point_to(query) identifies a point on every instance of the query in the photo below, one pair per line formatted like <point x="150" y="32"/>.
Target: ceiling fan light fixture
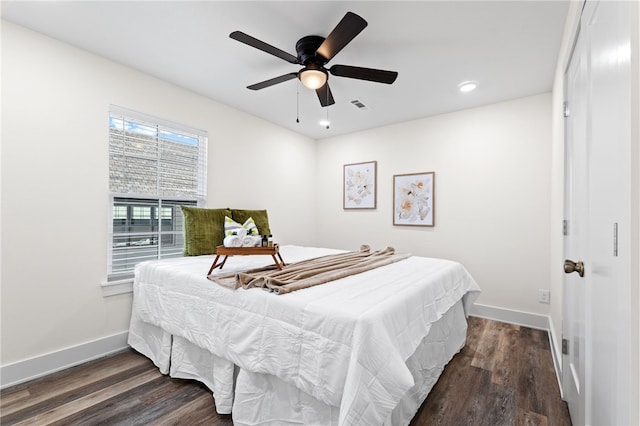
<point x="313" y="53"/>
<point x="313" y="78"/>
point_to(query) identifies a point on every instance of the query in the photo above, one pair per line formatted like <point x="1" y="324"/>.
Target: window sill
<point x="112" y="288"/>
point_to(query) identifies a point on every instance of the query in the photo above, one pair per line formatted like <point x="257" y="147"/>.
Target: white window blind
<point x="155" y="166"/>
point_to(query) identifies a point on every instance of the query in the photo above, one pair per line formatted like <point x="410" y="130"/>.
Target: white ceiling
<point x="510" y="47"/>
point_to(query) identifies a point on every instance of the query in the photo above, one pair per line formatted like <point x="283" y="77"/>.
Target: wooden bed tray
<point x="272" y="251"/>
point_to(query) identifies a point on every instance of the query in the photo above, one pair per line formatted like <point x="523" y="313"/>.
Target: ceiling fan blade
<point x="325" y="96"/>
<point x="261" y="45"/>
<point x="370" y="74"/>
<point x="273" y="81"/>
<point x="346" y="30"/>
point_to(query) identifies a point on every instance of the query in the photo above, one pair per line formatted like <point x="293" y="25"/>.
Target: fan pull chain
<point x="298" y="102"/>
<point x="327" y="91"/>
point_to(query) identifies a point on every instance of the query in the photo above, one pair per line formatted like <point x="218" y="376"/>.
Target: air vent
<point x="359" y="104"/>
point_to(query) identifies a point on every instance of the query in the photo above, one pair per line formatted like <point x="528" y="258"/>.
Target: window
<point x="154" y="168"/>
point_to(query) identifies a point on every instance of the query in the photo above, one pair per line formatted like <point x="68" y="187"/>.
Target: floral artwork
<point x="360" y="185"/>
<point x="413" y="199"/>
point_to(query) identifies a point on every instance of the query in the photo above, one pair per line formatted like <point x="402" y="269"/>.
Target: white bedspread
<point x="344" y="343"/>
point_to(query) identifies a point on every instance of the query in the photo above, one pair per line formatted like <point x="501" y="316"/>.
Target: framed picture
<point x="413" y="199"/>
<point x="359" y="190"/>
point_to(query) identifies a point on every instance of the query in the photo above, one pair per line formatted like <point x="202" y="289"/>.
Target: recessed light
<point x="467" y="86"/>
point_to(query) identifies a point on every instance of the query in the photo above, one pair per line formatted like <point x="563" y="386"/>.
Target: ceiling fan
<point x="314" y="52"/>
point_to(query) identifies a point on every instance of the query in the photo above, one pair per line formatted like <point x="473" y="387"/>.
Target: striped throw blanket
<point x="310" y="272"/>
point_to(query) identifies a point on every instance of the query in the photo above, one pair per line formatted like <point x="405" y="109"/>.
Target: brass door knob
<point x="571" y="266"/>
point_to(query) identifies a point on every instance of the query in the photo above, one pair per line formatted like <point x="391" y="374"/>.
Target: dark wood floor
<point x="503" y="376"/>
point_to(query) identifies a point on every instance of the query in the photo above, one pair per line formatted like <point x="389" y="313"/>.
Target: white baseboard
<point x="556" y="353"/>
<point x="526" y="319"/>
<point x="540" y="322"/>
<point x="22" y="371"/>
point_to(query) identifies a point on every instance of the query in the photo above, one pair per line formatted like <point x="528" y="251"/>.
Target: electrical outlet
<point x="543" y="295"/>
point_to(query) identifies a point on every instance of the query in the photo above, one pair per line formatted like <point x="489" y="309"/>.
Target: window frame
<point x="162" y="127"/>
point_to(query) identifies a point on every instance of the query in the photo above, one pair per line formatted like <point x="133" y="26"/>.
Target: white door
<point x="575" y="228"/>
<point x="597" y="322"/>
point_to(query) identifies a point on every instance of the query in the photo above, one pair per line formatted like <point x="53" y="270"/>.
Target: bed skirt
<point x="263" y="399"/>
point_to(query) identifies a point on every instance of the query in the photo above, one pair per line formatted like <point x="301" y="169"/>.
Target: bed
<point x="364" y="349"/>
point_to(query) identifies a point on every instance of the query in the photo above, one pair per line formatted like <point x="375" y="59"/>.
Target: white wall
<point x="55" y="103"/>
<point x="492" y="181"/>
<point x="635" y="215"/>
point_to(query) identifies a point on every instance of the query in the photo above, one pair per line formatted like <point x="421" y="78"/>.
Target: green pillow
<point x="203" y="229"/>
<point x="259" y="217"/>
